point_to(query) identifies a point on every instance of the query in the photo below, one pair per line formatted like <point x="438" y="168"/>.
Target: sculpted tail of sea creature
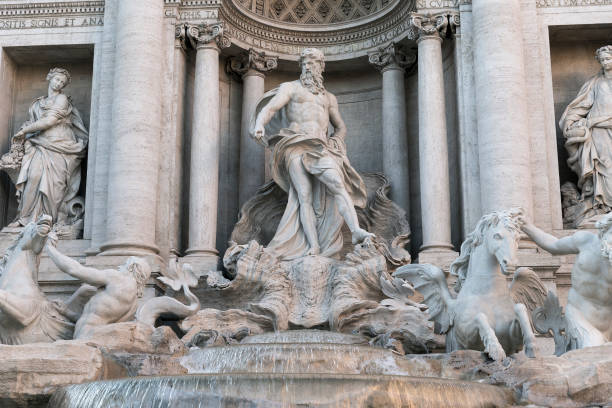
<point x="177" y="277"/>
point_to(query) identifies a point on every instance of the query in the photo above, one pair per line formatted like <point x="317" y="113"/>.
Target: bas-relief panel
<point x="572" y="63"/>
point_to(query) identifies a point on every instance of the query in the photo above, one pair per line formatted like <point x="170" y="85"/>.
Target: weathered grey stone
<point x="30" y="373"/>
<point x="578" y="378"/>
<point x="134" y="338"/>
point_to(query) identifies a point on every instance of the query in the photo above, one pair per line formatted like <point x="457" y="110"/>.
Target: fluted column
<point x="135" y="131"/>
<point x="205" y="140"/>
<point x="252" y="67"/>
<point x="433" y="146"/>
<point x="392" y="62"/>
<point x="503" y="121"/>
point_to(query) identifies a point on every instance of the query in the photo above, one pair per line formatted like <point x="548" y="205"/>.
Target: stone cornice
<point x="252" y="61"/>
<point x="392" y="56"/>
<point x="51" y="9"/>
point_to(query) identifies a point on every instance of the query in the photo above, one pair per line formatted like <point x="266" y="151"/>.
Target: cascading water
<point x="290" y="369"/>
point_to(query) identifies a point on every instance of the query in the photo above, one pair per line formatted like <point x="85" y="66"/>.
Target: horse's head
<point x="499" y="233"/>
<point x="34" y="235"/>
<point x="501" y="239"/>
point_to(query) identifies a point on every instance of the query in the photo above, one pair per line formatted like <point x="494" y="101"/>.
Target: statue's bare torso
<point x="591" y="291"/>
<point x="589" y="302"/>
<point x="310" y="111"/>
<point x="307" y="113"/>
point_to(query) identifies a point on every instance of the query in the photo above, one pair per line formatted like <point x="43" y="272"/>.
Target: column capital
<point x="207" y="35"/>
<point x="393" y="56"/>
<point x="252" y="63"/>
<point x="429" y="26"/>
<point x="454" y="23"/>
<point x="180" y="37"/>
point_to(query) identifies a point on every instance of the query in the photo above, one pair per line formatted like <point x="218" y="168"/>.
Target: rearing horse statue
<point x="26" y="315"/>
<point x="487" y="314"/>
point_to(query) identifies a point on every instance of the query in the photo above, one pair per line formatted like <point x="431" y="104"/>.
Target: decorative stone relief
<point x="487" y="314"/>
<point x="252" y="61"/>
<point x="205" y="34"/>
<point x="314" y="11"/>
<point x="354" y="38"/>
<point x="44" y="160"/>
<point x="587" y="127"/>
<point x="429" y="25"/>
<point x="392" y="56"/>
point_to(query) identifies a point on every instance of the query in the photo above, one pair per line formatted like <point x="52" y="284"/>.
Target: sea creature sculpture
<point x="177" y="277"/>
<point x="26" y="315"/>
<point x="487" y="314"/>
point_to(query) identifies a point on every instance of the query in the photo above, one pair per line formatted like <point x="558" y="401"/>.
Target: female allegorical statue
<point x="54" y="141"/>
<point x="587" y="126"/>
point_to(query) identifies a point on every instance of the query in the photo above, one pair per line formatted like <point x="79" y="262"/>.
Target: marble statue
<point x="311" y="167"/>
<point x="26" y="316"/>
<point x="116" y="299"/>
<point x="177" y="277"/>
<point x="487" y="314"/>
<point x="588" y="313"/>
<point x="45" y="156"/>
<point x="587" y="127"/>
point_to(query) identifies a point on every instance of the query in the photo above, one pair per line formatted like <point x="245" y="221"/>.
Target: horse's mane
<point x="511" y="219"/>
<point x="9" y="251"/>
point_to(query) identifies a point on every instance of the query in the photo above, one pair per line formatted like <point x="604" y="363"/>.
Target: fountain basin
<point x="281" y="390"/>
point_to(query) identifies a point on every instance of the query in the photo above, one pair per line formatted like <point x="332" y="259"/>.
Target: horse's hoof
<point x="529" y="352"/>
<point x="497" y="353"/>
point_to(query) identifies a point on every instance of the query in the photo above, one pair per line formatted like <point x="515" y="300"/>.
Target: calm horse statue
<point x="487" y="314"/>
<point x="26" y="316"/>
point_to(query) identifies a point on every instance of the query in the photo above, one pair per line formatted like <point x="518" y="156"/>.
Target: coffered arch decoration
<point x="367" y="25"/>
<point x="314" y="11"/>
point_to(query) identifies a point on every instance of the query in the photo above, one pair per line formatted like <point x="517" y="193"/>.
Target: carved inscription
<point x="572" y="3"/>
<point x="191" y="15"/>
<point x="51" y="22"/>
<point x="438" y="4"/>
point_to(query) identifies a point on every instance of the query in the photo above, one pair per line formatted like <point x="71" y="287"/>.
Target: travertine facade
<point x="456" y="102"/>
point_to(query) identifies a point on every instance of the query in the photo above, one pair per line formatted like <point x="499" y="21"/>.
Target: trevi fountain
<point x="305" y="203"/>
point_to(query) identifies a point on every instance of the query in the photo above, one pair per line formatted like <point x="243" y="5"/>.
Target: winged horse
<point x="487" y="314"/>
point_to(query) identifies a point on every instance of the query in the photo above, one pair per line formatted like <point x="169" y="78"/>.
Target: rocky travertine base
<point x="578" y="378"/>
<point x="29" y="374"/>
